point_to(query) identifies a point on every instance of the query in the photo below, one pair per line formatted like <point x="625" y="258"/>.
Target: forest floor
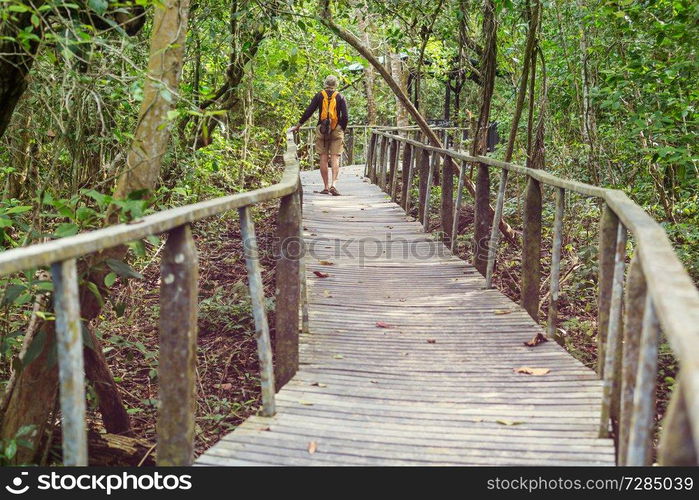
<point x="228" y="388"/>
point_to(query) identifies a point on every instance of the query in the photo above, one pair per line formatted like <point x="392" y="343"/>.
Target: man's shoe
<point x="334" y="192"/>
<point x="325" y="191"/>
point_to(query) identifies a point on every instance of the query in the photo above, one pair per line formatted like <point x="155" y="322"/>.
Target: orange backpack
<point x="328" y="113"/>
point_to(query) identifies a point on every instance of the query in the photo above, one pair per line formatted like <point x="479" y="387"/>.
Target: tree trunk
<point x="37" y="382"/>
<point x="483" y="216"/>
<point x="399" y="75"/>
<point x="369" y="77"/>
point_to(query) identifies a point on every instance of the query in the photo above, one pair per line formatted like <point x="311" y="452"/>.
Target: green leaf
<point x="18" y="210"/>
<point x="99" y="6"/>
<point x="12" y="292"/>
<point x="110" y="279"/>
<point x="11" y="449"/>
<point x="95" y="291"/>
<point x="35" y="348"/>
<point x="123" y="269"/>
<point x="66" y="229"/>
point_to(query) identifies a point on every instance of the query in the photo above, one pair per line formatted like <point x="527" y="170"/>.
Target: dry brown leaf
<point x="538" y="339"/>
<point x="532" y="371"/>
<point x="504" y="311"/>
<point x="381" y="324"/>
<point x="312" y="447"/>
<point x="319" y="384"/>
<point x="305" y="403"/>
<point x="326" y="293"/>
<point x="338" y="356"/>
<point x="431" y="341"/>
<point x="374" y="381"/>
<point x="326" y="263"/>
<point x="320" y="274"/>
<point x="225" y="387"/>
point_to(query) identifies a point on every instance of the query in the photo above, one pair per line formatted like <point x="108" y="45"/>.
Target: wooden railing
<point x="178" y="302"/>
<point x="657" y="295"/>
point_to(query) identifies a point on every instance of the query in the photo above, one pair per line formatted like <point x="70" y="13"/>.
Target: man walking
<point x="330" y="130"/>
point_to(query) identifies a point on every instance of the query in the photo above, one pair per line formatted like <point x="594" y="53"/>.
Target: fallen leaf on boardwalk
<point x="401" y="300"/>
<point x="320" y="274"/>
<point x="477" y="420"/>
<point x="406" y="354"/>
<point x="538" y="339"/>
<point x="338" y="356"/>
<point x="319" y="384"/>
<point x="326" y="263"/>
<point x="504" y="311"/>
<point x="225" y="387"/>
<point x="312" y="447"/>
<point x="374" y="381"/>
<point x="431" y="341"/>
<point x="266" y="429"/>
<point x="381" y="324"/>
<point x="508" y="422"/>
<point x="306" y="403"/>
<point x="532" y="371"/>
<point x="326" y="293"/>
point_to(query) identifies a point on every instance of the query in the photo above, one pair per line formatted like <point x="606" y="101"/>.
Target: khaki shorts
<point x="330" y="144"/>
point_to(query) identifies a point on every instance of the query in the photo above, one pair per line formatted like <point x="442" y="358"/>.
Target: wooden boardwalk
<point x="437" y="387"/>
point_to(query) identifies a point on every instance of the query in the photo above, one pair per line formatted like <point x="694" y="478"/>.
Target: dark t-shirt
<point x="317" y="103"/>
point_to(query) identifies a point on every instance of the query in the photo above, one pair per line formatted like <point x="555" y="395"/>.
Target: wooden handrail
<point x="672" y="299"/>
<point x="178" y="301"/>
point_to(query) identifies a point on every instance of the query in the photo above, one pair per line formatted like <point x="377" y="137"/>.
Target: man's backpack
<point x="328" y="113"/>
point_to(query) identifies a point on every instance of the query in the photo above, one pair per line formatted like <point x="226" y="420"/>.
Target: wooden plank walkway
<point x="438" y="386"/>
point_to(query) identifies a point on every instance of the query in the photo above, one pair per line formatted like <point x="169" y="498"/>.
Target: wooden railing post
<point x="607" y="246"/>
<point x="369" y="168"/>
<point x="394" y="178"/>
<point x="457" y="206"/>
<point x="446" y="206"/>
<point x="481" y="219"/>
<point x="406" y="171"/>
<point x="288" y="290"/>
<point x="495" y="229"/>
<point x="382" y="163"/>
<point x="350" y="146"/>
<point x="434" y="165"/>
<point x="613" y="347"/>
<point x="311" y="146"/>
<point x="677" y="441"/>
<point x="634" y="305"/>
<point x="178" y="341"/>
<point x="257" y="297"/>
<point x="531" y="249"/>
<point x="641" y="430"/>
<point x="392" y="167"/>
<point x="423" y="173"/>
<point x="556" y="262"/>
<point x="70" y="362"/>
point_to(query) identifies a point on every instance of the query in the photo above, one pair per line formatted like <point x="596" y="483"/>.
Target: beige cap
<point x="331" y="82"/>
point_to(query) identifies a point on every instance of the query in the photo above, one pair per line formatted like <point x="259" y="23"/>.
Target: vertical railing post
<point x="611" y="358"/>
<point x="430" y="175"/>
<point x="381" y="180"/>
<point x="495" y="229"/>
<point x="350" y="146"/>
<point x="641" y="431"/>
<point x="423" y="190"/>
<point x="369" y="170"/>
<point x="482" y="219"/>
<point x="678" y="442"/>
<point x="288" y="289"/>
<point x="406" y="171"/>
<point x="70" y="362"/>
<point x="392" y="164"/>
<point x="179" y="277"/>
<point x="607" y="246"/>
<point x="531" y="248"/>
<point x="394" y="168"/>
<point x="257" y="297"/>
<point x="311" y="145"/>
<point x="556" y="262"/>
<point x="446" y="206"/>
<point x="457" y="206"/>
<point x="634" y="305"/>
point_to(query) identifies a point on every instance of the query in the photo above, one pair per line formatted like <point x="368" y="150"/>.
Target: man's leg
<point x="324" y="169"/>
<point x="335" y="165"/>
